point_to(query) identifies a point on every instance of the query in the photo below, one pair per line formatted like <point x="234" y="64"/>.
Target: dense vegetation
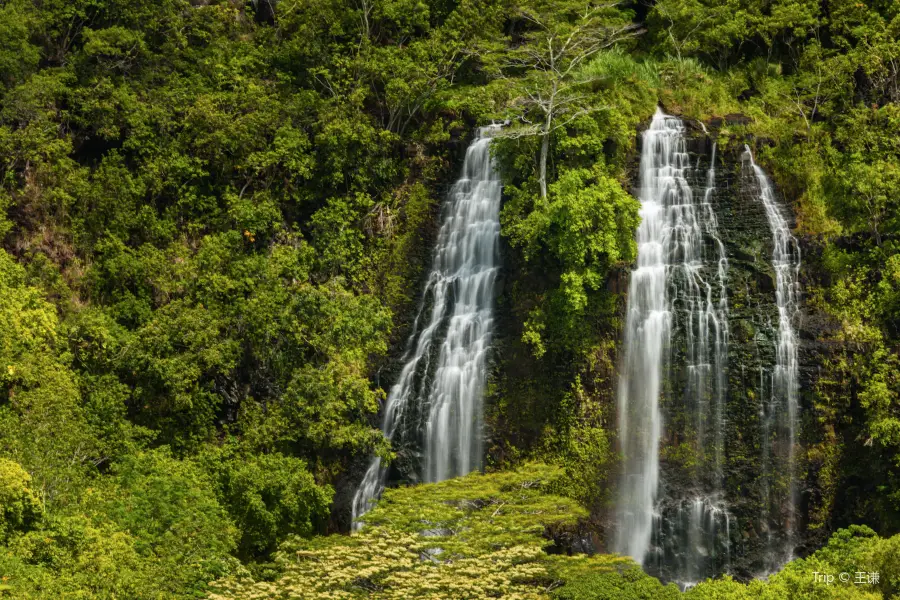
<point x="482" y="536"/>
<point x="216" y="214"/>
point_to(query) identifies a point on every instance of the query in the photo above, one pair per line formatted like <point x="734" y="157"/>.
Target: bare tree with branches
<point x="559" y="40"/>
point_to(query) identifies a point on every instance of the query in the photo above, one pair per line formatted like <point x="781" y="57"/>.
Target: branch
<point x="520" y="132"/>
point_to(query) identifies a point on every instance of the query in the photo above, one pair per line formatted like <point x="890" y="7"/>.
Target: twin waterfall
<point x="708" y="390"/>
<point x="438" y="394"/>
<point x="673" y="385"/>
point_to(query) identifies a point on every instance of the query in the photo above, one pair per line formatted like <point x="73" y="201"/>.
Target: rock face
<point x="755" y="520"/>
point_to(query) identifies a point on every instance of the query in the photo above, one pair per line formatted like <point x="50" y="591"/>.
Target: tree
<point x="171" y="510"/>
<point x="558" y="37"/>
<point x="20" y="508"/>
<point x="723" y="30"/>
<point x="269" y="497"/>
<point x="586" y="225"/>
<point x="42" y="423"/>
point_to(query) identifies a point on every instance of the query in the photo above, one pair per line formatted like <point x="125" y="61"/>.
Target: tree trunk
<point x="545" y="149"/>
<point x="545" y="142"/>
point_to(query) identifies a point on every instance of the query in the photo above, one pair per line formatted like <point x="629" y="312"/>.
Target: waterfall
<point x="448" y="392"/>
<point x="696" y="543"/>
<point x="780" y="406"/>
<point x="720" y="317"/>
<point x="677" y="307"/>
<point x="647" y="332"/>
<point x="466" y="262"/>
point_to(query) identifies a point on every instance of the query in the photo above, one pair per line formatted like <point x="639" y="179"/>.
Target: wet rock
<point x="436" y="532"/>
<point x="431" y="554"/>
<point x="737" y="119"/>
<point x="581" y="538"/>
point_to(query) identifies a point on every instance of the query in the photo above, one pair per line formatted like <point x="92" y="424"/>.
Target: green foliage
<point x="718" y="30"/>
<point x="473" y="537"/>
<point x="43" y="425"/>
<point x="853" y="550"/>
<point x="21" y="508"/>
<point x="151" y="529"/>
<point x="586" y="225"/>
<point x="587" y="460"/>
<point x="480" y="536"/>
<point x="18" y="57"/>
<point x="171" y="510"/>
<point x="74" y="558"/>
<point x="607" y="577"/>
<point x="269" y="497"/>
<point x="215" y="218"/>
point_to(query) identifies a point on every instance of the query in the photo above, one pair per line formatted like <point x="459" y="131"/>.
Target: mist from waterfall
<point x="779" y="410"/>
<point x="441" y="384"/>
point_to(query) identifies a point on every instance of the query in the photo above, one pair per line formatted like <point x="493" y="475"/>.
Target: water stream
<point x="779" y="410"/>
<point x="675" y="359"/>
<point x="441" y="384"/>
<point x="647" y="332"/>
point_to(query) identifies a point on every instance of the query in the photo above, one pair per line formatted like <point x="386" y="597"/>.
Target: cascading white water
<point x="466" y="258"/>
<point x="702" y="299"/>
<point x="674" y="288"/>
<point x="461" y="290"/>
<point x="701" y="521"/>
<point x="647" y="330"/>
<point x="780" y="407"/>
<point x="719" y="317"/>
